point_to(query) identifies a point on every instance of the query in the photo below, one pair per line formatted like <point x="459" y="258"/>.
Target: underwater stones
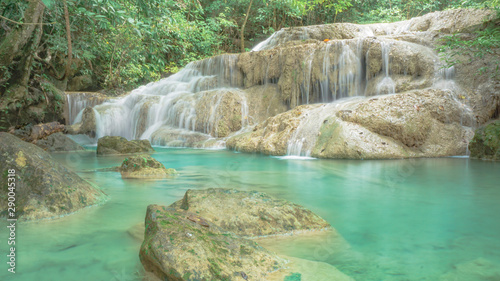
<point x="144" y="166"/>
<point x="120" y="145"/>
<point x="177" y="248"/>
<point x="250" y="214"/>
<point x="486" y="142"/>
<point x="44" y="188"/>
<point x="479" y="269"/>
<point x="58" y="142"/>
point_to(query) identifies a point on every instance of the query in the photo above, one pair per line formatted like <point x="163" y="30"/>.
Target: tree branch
<point x="30" y="23"/>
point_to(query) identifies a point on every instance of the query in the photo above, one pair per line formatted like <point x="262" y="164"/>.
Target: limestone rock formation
<point x="59" y="142"/>
<point x="422" y="123"/>
<point x="486" y="142"/>
<point x="182" y="245"/>
<point x="250" y="214"/>
<point x="44" y="188"/>
<point x="144" y="166"/>
<point x="120" y="145"/>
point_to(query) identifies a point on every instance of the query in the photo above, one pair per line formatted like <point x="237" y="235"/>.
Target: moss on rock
<point x="144" y="166"/>
<point x="120" y="145"/>
<point x="486" y="142"/>
<point x="44" y="188"/>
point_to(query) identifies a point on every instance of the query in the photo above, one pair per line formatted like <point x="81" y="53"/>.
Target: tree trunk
<point x="242" y="36"/>
<point x="68" y="37"/>
<point x="13" y="44"/>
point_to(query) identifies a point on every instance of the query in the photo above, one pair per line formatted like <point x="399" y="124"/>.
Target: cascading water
<point x="169" y="102"/>
<point x="195" y="103"/>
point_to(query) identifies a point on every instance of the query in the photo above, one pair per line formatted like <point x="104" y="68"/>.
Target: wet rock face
<point x="44" y="188"/>
<point x="486" y="142"/>
<point x="172" y="137"/>
<point x="270" y="137"/>
<point x="182" y="245"/>
<point x="120" y="145"/>
<point x="144" y="166"/>
<point x="219" y="113"/>
<point x="87" y="126"/>
<point x="250" y="214"/>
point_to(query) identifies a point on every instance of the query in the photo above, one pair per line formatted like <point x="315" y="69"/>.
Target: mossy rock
<point x="486" y="142"/>
<point x="250" y="214"/>
<point x="120" y="145"/>
<point x="44" y="188"/>
<point x="180" y="245"/>
<point x="144" y="166"/>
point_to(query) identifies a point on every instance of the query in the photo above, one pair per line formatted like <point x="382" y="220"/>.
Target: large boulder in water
<point x="486" y="142"/>
<point x="250" y="213"/>
<point x="120" y="145"/>
<point x="44" y="188"/>
<point x="181" y="245"/>
<point x="144" y="166"/>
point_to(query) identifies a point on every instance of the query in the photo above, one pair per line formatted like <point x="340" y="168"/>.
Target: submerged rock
<point x="44" y="188"/>
<point x="144" y="166"/>
<point x="250" y="214"/>
<point x="178" y="247"/>
<point x="120" y="145"/>
<point x="59" y="142"/>
<point x="479" y="269"/>
<point x="486" y="142"/>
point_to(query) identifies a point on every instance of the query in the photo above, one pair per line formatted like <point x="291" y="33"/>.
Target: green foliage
<point x="125" y="43"/>
<point x="485" y="41"/>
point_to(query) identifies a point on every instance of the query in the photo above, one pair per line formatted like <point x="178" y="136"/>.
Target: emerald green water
<point x="403" y="219"/>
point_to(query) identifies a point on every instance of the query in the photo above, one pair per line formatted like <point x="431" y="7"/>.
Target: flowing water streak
<point x="77" y="102"/>
<point x="387" y="85"/>
<point x="303" y="139"/>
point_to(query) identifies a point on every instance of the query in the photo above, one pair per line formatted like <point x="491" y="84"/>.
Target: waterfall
<point x="77" y="102"/>
<point x="386" y="85"/>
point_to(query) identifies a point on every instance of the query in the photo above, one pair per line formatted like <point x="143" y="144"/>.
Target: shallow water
<point x="402" y="219"/>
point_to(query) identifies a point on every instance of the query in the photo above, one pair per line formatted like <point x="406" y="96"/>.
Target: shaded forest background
<point x="114" y="46"/>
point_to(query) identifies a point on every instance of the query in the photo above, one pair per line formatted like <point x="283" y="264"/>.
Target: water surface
<point x="402" y="219"/>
